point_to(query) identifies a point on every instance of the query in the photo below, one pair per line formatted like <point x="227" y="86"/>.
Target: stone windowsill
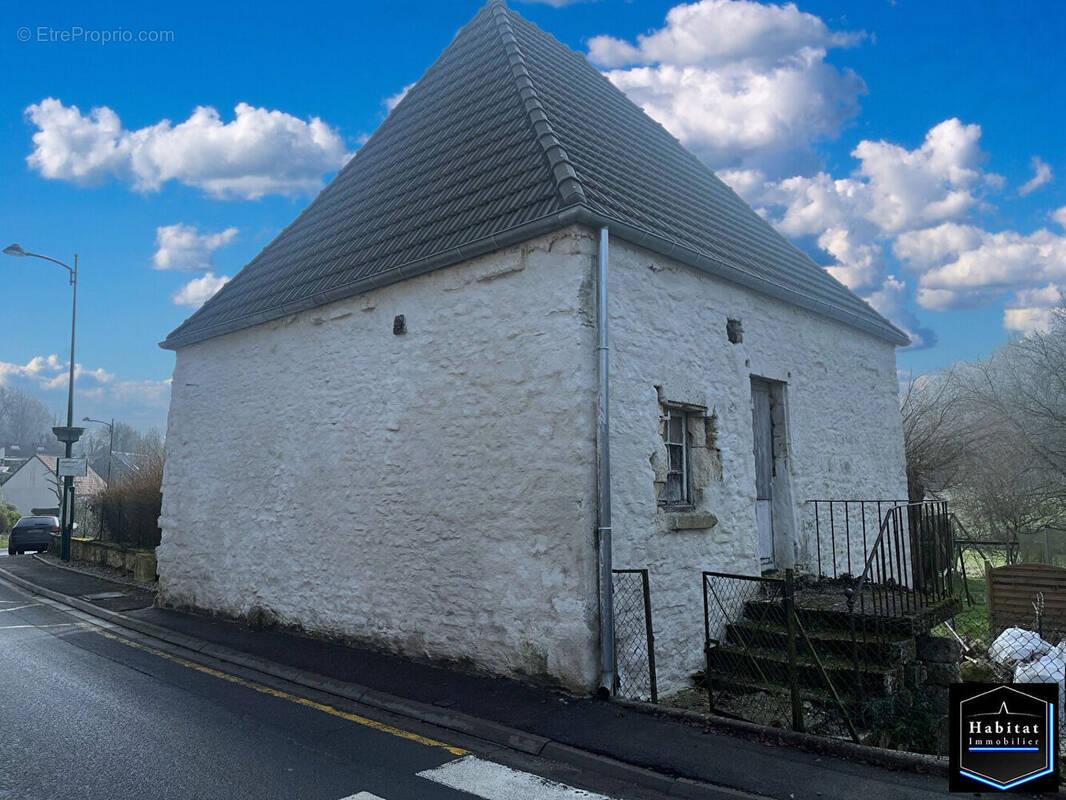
<point x="686" y="520"/>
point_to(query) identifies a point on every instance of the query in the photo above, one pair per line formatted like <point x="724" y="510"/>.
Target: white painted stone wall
<point x="431" y="493"/>
<point x="668" y="329"/>
<point x="434" y="493"/>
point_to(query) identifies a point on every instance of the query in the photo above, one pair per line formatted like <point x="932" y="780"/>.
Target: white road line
<point x="50" y="625"/>
<point x="16" y="608"/>
<point x="497" y="782"/>
<point x="363" y="796"/>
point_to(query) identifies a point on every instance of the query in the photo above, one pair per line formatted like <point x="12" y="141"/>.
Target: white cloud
<point x="1059" y="215"/>
<point x="1041" y="174"/>
<point x="39" y="364"/>
<point x="735" y="79"/>
<point x="1033" y="309"/>
<point x="98" y="392"/>
<point x="858" y="264"/>
<point x="49" y="372"/>
<point x="934" y="182"/>
<point x="199" y="290"/>
<point x="150" y="393"/>
<point x="964" y="266"/>
<point x="394" y="100"/>
<point x="715" y="32"/>
<point x="259" y="152"/>
<point x="182" y="247"/>
<point x="556" y="3"/>
<point x="748" y="183"/>
<point x="892" y="191"/>
<point x="889" y="300"/>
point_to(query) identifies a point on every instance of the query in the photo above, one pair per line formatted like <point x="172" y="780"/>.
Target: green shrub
<point x="9" y="515"/>
<point x="905" y="720"/>
<point x="129" y="509"/>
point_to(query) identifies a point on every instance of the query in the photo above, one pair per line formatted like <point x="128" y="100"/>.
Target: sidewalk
<point x="549" y="723"/>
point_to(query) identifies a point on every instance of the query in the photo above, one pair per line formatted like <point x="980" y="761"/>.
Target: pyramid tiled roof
<point x="510" y="134"/>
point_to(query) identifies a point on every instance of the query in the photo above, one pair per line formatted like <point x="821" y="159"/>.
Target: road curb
<point x="144" y="587"/>
<point x="487" y="730"/>
<point x="822" y="745"/>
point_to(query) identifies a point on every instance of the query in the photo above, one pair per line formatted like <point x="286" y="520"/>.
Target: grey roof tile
<point x="508" y="134"/>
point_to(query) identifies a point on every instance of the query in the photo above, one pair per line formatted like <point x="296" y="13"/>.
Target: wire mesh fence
<point x="766" y="661"/>
<point x="1047" y="546"/>
<point x="633" y="635"/>
<point x="1012" y="628"/>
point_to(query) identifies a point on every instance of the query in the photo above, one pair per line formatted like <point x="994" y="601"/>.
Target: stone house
<point x="521" y="337"/>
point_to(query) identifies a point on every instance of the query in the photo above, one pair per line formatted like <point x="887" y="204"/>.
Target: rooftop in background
<point x="507" y="135"/>
<point x="83" y="484"/>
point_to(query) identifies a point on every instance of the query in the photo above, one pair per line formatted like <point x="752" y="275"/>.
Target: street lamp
<point x="68" y="434"/>
<point x="111" y="445"/>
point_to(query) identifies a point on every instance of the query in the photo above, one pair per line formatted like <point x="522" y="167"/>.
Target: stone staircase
<point x="753" y="654"/>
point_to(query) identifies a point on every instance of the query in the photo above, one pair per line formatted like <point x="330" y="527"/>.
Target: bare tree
<point x="991" y="436"/>
<point x="940" y="433"/>
<point x="24" y="420"/>
<point x="1024" y="384"/>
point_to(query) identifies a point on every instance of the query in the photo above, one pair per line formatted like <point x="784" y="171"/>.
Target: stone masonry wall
<point x="430" y="493"/>
<point x="842" y="430"/>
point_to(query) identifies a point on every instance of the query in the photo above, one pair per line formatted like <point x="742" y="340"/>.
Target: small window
<point x="734" y="331"/>
<point x="675" y="434"/>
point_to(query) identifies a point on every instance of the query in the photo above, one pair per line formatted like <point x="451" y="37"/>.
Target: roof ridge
<point x="571" y="192"/>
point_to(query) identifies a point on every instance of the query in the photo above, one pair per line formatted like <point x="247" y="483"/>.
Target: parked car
<point x="31" y="533"/>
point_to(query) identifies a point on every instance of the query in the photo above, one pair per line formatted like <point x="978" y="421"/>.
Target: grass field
<point x="972" y="622"/>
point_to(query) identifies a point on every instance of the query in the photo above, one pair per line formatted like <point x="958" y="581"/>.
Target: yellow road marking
<point x="303" y="701"/>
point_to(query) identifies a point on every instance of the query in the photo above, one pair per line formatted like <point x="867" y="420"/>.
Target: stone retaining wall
<point x="139" y="564"/>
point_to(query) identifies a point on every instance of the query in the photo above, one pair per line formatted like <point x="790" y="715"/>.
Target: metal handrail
<point x="912" y="559"/>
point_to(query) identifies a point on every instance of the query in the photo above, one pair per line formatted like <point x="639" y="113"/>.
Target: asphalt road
<point x="86" y="713"/>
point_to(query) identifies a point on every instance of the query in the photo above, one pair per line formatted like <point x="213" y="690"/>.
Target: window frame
<point x="670" y="411"/>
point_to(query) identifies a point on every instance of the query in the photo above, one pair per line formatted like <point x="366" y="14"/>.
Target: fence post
<point x="793" y="669"/>
<point x="990" y="598"/>
<point x="707" y="643"/>
<point x="651" y="636"/>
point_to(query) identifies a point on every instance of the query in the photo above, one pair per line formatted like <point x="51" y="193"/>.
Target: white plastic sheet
<point x="1017" y="644"/>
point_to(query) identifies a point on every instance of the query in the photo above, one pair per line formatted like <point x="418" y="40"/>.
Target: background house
<point x="122" y="466"/>
<point x="32" y="487"/>
<point x="426" y="334"/>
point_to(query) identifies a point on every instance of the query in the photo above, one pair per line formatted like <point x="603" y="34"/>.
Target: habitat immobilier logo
<point x="1004" y="737"/>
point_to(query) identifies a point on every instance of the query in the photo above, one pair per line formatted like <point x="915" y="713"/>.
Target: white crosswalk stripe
<point x="496" y="782"/>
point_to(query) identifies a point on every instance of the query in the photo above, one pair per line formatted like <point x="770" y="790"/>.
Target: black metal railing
<point x="634" y="636"/>
<point x="843" y="531"/>
<point x="910" y="564"/>
<point x="760" y="663"/>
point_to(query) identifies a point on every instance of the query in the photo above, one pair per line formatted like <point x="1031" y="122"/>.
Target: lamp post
<point x="67" y="434"/>
<point x="111" y="445"/>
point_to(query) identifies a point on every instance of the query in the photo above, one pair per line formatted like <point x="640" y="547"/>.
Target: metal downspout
<point x="603" y="481"/>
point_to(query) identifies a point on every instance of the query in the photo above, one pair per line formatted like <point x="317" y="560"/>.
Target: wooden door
<point x="763" y="428"/>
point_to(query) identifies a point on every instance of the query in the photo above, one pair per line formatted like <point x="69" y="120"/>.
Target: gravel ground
<point x="99" y="570"/>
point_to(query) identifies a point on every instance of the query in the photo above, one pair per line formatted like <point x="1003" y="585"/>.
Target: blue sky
<point x="914" y="148"/>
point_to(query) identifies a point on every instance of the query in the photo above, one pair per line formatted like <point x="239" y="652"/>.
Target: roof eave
<point x="575" y="214"/>
<point x="878" y="326"/>
<point x="447" y="258"/>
